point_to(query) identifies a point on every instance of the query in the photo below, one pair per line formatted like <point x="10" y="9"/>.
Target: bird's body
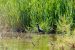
<point x="40" y="30"/>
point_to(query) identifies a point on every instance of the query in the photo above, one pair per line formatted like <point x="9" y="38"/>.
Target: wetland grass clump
<point x="25" y="14"/>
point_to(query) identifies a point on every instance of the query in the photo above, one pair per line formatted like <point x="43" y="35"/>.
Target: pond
<point x="31" y="41"/>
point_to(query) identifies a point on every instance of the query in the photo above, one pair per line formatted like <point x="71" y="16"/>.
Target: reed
<point x="27" y="13"/>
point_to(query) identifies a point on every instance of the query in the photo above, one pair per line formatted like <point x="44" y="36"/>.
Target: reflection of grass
<point x="36" y="43"/>
<point x="39" y="42"/>
<point x="14" y="44"/>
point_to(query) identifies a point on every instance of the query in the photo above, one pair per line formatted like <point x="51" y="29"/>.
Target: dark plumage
<point x="40" y="30"/>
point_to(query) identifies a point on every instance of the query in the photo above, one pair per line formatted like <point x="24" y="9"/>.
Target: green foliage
<point x="64" y="25"/>
<point x="27" y="13"/>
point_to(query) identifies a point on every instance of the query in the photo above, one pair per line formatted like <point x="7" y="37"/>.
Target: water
<point x="30" y="41"/>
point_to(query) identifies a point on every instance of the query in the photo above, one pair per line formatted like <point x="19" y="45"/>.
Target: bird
<point x="40" y="30"/>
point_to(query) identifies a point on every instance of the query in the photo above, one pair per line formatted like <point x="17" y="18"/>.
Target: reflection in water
<point x="53" y="40"/>
<point x="53" y="37"/>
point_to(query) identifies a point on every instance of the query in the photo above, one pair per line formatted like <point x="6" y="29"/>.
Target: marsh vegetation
<point x="19" y="19"/>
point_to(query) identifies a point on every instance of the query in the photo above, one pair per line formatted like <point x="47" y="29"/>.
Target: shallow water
<point x="30" y="41"/>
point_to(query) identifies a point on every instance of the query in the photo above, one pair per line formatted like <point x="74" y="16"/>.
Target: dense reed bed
<point x="25" y="14"/>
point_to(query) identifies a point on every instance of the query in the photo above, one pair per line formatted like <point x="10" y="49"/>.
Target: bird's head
<point x="37" y="25"/>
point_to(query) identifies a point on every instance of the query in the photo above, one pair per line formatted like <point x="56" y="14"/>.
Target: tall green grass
<point x="27" y="13"/>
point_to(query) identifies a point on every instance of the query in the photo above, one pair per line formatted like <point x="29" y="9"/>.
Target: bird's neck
<point x="38" y="27"/>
